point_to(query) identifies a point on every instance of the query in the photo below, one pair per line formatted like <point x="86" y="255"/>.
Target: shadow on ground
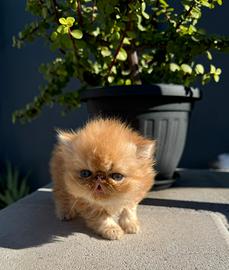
<point x="213" y="179"/>
<point x="36" y="223"/>
<point x="222" y="208"/>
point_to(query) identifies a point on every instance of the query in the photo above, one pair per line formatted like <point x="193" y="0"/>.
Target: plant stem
<point x="55" y="10"/>
<point x="79" y="11"/>
<point x="116" y="52"/>
<point x="133" y="57"/>
<point x="133" y="63"/>
<point x="55" y="5"/>
<point x="73" y="44"/>
<point x="185" y="15"/>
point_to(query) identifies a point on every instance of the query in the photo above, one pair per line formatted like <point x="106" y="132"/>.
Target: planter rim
<point x="167" y="90"/>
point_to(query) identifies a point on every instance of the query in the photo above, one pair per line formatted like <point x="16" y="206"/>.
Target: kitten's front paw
<point x="112" y="232"/>
<point x="130" y="227"/>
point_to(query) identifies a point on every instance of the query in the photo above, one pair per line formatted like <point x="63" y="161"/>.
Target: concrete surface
<point x="184" y="227"/>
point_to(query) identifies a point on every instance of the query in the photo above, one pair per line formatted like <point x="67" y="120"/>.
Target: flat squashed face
<point x="107" y="160"/>
<point x="104" y="170"/>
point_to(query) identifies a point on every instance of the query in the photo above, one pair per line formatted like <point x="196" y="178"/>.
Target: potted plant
<point x="134" y="59"/>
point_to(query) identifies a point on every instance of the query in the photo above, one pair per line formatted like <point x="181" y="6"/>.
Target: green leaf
<point x="44" y="12"/>
<point x="96" y="32"/>
<point x="218" y="71"/>
<point x="126" y="41"/>
<point x="63" y="21"/>
<point x="196" y="12"/>
<point x="70" y="21"/>
<point x="105" y="51"/>
<point x="206" y="78"/>
<point x="125" y="72"/>
<point x="199" y="69"/>
<point x="191" y="29"/>
<point x="77" y="34"/>
<point x="144" y="14"/>
<point x="212" y="69"/>
<point x="163" y="3"/>
<point x="110" y="79"/>
<point x="62" y="29"/>
<point x="120" y="82"/>
<point x="122" y="55"/>
<point x="139" y="25"/>
<point x="209" y="56"/>
<point x="13" y="187"/>
<point x="183" y="29"/>
<point x="74" y="5"/>
<point x="186" y="68"/>
<point x="216" y="77"/>
<point x="114" y="70"/>
<point x="54" y="36"/>
<point x="128" y="82"/>
<point x="174" y="67"/>
<point x="220" y="2"/>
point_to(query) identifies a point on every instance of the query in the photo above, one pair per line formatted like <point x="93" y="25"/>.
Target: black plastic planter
<point x="159" y="111"/>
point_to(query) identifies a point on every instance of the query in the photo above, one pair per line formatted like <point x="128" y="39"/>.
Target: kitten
<point x="99" y="171"/>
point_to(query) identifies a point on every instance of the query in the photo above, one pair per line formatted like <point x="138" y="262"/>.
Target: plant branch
<point x="133" y="58"/>
<point x="73" y="44"/>
<point x="116" y="52"/>
<point x="55" y="10"/>
<point x="128" y="25"/>
<point x="30" y="33"/>
<point x="185" y="15"/>
<point x="134" y="64"/>
<point x="79" y="12"/>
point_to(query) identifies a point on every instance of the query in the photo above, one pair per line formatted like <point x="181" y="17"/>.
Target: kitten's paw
<point x="130" y="227"/>
<point x="112" y="232"/>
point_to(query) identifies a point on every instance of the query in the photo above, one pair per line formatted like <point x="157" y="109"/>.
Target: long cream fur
<point x="107" y="146"/>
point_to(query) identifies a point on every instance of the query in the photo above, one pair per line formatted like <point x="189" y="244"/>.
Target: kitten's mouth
<point x="98" y="188"/>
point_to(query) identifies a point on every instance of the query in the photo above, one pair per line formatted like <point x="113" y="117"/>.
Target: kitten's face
<point x="102" y="170"/>
<point x="105" y="162"/>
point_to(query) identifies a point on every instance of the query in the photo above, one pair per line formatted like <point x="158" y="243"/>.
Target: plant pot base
<point x="160" y="112"/>
<point x="161" y="184"/>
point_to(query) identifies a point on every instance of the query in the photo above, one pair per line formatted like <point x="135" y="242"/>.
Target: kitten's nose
<point x="100" y="176"/>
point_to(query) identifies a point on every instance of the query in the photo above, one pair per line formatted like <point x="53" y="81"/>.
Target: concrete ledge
<point x="184" y="227"/>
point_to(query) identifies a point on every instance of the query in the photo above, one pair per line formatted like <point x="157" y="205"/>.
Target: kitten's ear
<point x="65" y="137"/>
<point x="146" y="149"/>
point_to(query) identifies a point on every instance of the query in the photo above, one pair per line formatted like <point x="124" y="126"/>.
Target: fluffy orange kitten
<point x="99" y="171"/>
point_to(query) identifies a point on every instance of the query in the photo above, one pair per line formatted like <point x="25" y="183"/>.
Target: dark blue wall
<point x="29" y="146"/>
<point x="209" y="129"/>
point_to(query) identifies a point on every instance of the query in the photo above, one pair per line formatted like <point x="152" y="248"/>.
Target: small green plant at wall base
<point x="12" y="186"/>
<point x="102" y="43"/>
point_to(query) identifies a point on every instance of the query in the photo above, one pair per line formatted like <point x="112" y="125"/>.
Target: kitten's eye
<point x="85" y="173"/>
<point x="117" y="176"/>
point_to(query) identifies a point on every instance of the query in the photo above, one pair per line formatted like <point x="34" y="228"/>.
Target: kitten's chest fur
<point x="112" y="206"/>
